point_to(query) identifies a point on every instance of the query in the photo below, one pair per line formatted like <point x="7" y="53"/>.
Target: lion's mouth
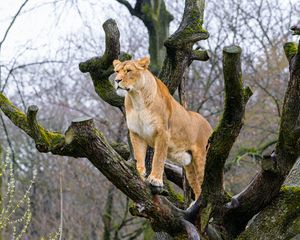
<point x="126" y="89"/>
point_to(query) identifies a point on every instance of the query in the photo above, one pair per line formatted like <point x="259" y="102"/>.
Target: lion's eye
<point x="117" y="71"/>
<point x="129" y="70"/>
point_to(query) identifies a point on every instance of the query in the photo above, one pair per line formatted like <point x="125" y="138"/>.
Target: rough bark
<point x="266" y="185"/>
<point x="222" y="139"/>
<point x="82" y="139"/>
<point x="236" y="96"/>
<point x="280" y="219"/>
<point x="179" y="45"/>
<point x="100" y="68"/>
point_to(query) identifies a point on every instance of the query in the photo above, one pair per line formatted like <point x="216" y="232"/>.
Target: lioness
<point x="154" y="118"/>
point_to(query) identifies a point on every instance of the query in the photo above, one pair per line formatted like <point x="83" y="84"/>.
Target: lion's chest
<point x="142" y="123"/>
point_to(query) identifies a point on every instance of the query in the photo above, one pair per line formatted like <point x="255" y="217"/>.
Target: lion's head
<point x="128" y="74"/>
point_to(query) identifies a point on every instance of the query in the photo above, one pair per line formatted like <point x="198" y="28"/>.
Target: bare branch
<point x="11" y="70"/>
<point x="128" y="6"/>
<point x="100" y="68"/>
<point x="12" y="23"/>
<point x="180" y="44"/>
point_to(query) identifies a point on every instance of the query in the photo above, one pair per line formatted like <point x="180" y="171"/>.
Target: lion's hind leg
<point x="191" y="176"/>
<point x="199" y="157"/>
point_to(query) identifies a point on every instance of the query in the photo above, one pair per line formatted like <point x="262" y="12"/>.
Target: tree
<point x="215" y="213"/>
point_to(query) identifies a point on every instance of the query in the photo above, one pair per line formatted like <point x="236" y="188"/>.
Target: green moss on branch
<point x="45" y="139"/>
<point x="213" y="196"/>
<point x="230" y="124"/>
<point x="280" y="220"/>
<point x="100" y="68"/>
<point x="290" y="49"/>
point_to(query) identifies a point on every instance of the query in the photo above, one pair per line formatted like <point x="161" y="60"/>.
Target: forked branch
<point x="100" y="68"/>
<point x="266" y="185"/>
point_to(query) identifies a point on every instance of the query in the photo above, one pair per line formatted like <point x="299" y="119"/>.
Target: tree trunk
<point x="281" y="219"/>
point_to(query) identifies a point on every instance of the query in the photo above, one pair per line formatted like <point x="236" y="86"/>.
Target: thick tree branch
<point x="266" y="185"/>
<point x="200" y="55"/>
<point x="174" y="174"/>
<point x="227" y="131"/>
<point x="180" y="44"/>
<point x="82" y="139"/>
<point x="40" y="140"/>
<point x="190" y="29"/>
<point x="41" y="136"/>
<point x="222" y="139"/>
<point x="279" y="219"/>
<point x="100" y="68"/>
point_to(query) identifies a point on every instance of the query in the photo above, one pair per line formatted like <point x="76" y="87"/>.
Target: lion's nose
<point x="118" y="80"/>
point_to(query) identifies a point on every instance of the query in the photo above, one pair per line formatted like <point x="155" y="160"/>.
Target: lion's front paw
<point x="155" y="182"/>
<point x="157" y="186"/>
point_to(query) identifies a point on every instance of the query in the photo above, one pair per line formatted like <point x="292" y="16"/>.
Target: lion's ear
<point x="116" y="62"/>
<point x="144" y="62"/>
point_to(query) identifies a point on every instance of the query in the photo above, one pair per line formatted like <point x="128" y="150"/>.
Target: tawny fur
<point x="154" y="118"/>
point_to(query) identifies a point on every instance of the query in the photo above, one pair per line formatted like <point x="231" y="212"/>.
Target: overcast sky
<point x="43" y="25"/>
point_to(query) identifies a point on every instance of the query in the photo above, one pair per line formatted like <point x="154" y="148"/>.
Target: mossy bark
<point x="179" y="46"/>
<point x="100" y="68"/>
<point x="267" y="183"/>
<point x="281" y="219"/>
<point x="213" y="197"/>
<point x="82" y="139"/>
